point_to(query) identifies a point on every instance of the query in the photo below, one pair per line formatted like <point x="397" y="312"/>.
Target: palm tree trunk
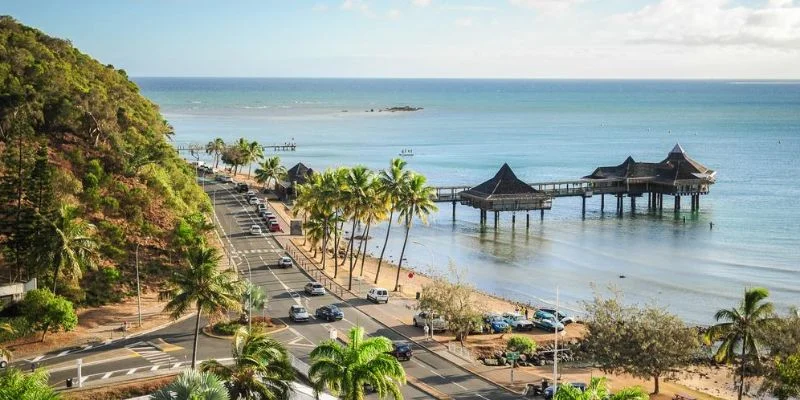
<point x="655" y="384"/>
<point x="402" y="252"/>
<point x="364" y="252"/>
<point x="57" y="262"/>
<point x="352" y="238"/>
<point x="741" y="367"/>
<point x="196" y="334"/>
<point x="325" y="235"/>
<point x="385" y="241"/>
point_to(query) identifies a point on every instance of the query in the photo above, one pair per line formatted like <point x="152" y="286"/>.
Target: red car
<point x="275" y="227"/>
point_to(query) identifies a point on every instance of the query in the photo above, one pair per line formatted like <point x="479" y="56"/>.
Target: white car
<point x="298" y="313"/>
<point x="435" y="322"/>
<point x="378" y="295"/>
<point x="518" y="322"/>
<point x="315" y="289"/>
<point x="255" y="230"/>
<point x="285" y="262"/>
<point x="253" y="201"/>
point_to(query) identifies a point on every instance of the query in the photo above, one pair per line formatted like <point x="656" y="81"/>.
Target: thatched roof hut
<point x="505" y="192"/>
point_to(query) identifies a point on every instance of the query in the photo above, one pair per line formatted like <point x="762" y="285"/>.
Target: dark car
<point x="329" y="313"/>
<point x="401" y="350"/>
<point x="548" y="392"/>
<point x="563" y="318"/>
<point x="242" y="188"/>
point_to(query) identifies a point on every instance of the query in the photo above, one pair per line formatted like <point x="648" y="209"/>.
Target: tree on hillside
<point x="47" y="312"/>
<point x="344" y="370"/>
<point x="193" y="385"/>
<point x="599" y="389"/>
<point x="215" y="147"/>
<point x="270" y="171"/>
<point x="233" y="156"/>
<point x="74" y="246"/>
<point x="5" y="328"/>
<point x="742" y="328"/>
<point x="16" y="385"/>
<point x="203" y="286"/>
<point x="783" y="379"/>
<point x="392" y="183"/>
<point x="645" y="342"/>
<point x="416" y="200"/>
<point x="261" y="368"/>
<point x="453" y="298"/>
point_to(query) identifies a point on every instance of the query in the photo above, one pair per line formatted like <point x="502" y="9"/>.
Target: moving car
<point x="285" y="262"/>
<point x="274" y="226"/>
<point x="546" y="321"/>
<point x="241" y="187"/>
<point x="495" y="323"/>
<point x="255" y="230"/>
<point x="548" y="391"/>
<point x="377" y="295"/>
<point x="298" y="313"/>
<point x="563" y="318"/>
<point x="401" y="350"/>
<point x="227" y="179"/>
<point x="314" y="289"/>
<point x="329" y="313"/>
<point x="435" y="322"/>
<point x="518" y="321"/>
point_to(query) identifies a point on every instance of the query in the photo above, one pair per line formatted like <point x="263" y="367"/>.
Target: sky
<point x="604" y="39"/>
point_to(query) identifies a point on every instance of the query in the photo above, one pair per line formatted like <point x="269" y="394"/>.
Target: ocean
<point x="546" y="130"/>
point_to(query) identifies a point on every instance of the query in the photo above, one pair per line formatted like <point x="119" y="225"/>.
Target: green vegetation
<point x="521" y="344"/>
<point x="597" y="389"/>
<point x="344" y="370"/>
<point x="645" y="342"/>
<point x="329" y="200"/>
<point x="743" y="328"/>
<point x="86" y="172"/>
<point x="261" y="368"/>
<point x="14" y="384"/>
<point x="195" y="386"/>
<point x="784" y="381"/>
<point x="47" y="312"/>
<point x="204" y="287"/>
<point x="455" y="300"/>
<point x="270" y="171"/>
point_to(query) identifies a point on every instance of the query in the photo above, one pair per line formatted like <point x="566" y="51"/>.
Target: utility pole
<point x="138" y="288"/>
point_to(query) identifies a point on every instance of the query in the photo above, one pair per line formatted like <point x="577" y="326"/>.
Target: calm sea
<point x="549" y="130"/>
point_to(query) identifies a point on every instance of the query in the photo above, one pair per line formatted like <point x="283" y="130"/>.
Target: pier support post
<point x="527" y="220"/>
<point x="583" y="207"/>
<point x="698" y="203"/>
<point x="602" y="203"/>
<point x="649" y="200"/>
<point x="454" y="210"/>
<point x="677" y="203"/>
<point x="496" y="217"/>
<point x="541" y="215"/>
<point x="513" y="220"/>
<point x="633" y="204"/>
<point x="661" y="202"/>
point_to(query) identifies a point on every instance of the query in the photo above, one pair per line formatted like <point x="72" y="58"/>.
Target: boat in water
<point x="406" y="153"/>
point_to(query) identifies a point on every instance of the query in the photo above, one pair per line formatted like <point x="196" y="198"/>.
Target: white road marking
<point x="37" y="358"/>
<point x="155" y="367"/>
<point x="481" y="396"/>
<point x="84" y="378"/>
<point x="459" y="385"/>
<point x="63" y="353"/>
<point x="107" y="375"/>
<point x="131" y="371"/>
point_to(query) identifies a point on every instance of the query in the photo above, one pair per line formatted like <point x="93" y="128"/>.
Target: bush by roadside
<point x="122" y="391"/>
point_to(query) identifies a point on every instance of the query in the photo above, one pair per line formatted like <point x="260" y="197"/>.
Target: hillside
<point x="86" y="173"/>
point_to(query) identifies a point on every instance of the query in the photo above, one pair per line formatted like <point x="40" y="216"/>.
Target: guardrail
<point x="460" y="351"/>
<point x="310" y="267"/>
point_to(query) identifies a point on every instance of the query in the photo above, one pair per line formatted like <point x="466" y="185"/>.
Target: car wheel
<point x="330" y="318"/>
<point x="415" y="324"/>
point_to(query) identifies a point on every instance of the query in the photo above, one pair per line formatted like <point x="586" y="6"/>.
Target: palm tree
<point x="742" y="327"/>
<point x="344" y="370"/>
<point x="270" y="170"/>
<point x="599" y="389"/>
<point x="415" y="201"/>
<point x="203" y="286"/>
<point x="193" y="385"/>
<point x="261" y="368"/>
<point x="375" y="211"/>
<point x="254" y="296"/>
<point x="75" y="247"/>
<point x="215" y="147"/>
<point x="6" y="328"/>
<point x="392" y="183"/>
<point x="314" y="230"/>
<point x="253" y="152"/>
<point x="357" y="197"/>
<point x="15" y="384"/>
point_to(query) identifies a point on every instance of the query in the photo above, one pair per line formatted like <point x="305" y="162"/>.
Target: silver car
<point x="315" y="289"/>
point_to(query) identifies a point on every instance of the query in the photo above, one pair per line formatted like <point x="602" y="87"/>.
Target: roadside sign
<point x="512" y="355"/>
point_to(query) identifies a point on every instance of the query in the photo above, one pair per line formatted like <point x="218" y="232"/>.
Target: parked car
<point x="517" y="321"/>
<point x="255" y="230"/>
<point x="264" y="212"/>
<point x="3" y="361"/>
<point x="435" y="322"/>
<point x="546" y="321"/>
<point x="298" y="313"/>
<point x="285" y="262"/>
<point x="253" y="200"/>
<point x="227" y="179"/>
<point x="563" y="318"/>
<point x="548" y="391"/>
<point x="314" y="289"/>
<point x="242" y="188"/>
<point x="261" y="206"/>
<point x="274" y="226"/>
<point x="402" y="350"/>
<point x="329" y="313"/>
<point x="267" y="215"/>
<point x="495" y="323"/>
<point x="378" y="295"/>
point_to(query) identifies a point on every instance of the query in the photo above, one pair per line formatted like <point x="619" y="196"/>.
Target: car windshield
<point x="316" y="285"/>
<point x="299" y="310"/>
<point x="402" y="346"/>
<point x="333" y="308"/>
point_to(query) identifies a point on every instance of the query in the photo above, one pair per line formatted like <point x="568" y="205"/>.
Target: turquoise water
<point x="549" y="130"/>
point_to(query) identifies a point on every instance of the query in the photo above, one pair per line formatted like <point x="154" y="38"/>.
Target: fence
<point x="310" y="267"/>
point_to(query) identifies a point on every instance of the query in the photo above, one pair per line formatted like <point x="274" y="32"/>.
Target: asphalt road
<point x="257" y="256"/>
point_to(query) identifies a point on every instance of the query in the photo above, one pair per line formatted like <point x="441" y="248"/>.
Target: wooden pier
<point x="677" y="176"/>
<point x="193" y="148"/>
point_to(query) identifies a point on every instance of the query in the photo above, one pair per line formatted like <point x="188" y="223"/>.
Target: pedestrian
<point x="33" y="366"/>
<point x="425" y="329"/>
<point x="526" y="312"/>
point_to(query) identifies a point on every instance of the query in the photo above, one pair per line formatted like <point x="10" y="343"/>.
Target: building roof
<point x="299" y="173"/>
<point x="504" y="182"/>
<point x="677" y="166"/>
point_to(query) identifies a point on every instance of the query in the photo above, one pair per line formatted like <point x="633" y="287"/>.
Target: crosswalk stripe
<point x="131" y="371"/>
<point x="107" y="375"/>
<point x="155" y="367"/>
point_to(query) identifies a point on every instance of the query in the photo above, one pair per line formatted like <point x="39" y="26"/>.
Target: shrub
<point x="47" y="312"/>
<point x="227" y="328"/>
<point x="521" y="344"/>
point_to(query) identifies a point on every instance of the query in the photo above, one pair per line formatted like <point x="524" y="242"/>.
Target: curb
<point x="206" y="328"/>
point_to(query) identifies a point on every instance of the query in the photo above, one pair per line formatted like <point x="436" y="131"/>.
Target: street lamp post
<point x="138" y="288"/>
<point x="433" y="258"/>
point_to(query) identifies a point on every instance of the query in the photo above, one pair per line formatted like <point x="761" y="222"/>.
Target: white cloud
<point x="467" y="8"/>
<point x="464" y="22"/>
<point x="714" y="23"/>
<point x="547" y="6"/>
<point x="393" y="13"/>
<point x="421" y="3"/>
<point x="357" y="5"/>
<point x="319" y="7"/>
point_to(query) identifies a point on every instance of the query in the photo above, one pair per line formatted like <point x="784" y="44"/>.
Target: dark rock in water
<point x="402" y="108"/>
<point x="622" y="276"/>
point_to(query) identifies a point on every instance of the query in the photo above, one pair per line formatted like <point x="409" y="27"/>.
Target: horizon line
<point x="793" y="80"/>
